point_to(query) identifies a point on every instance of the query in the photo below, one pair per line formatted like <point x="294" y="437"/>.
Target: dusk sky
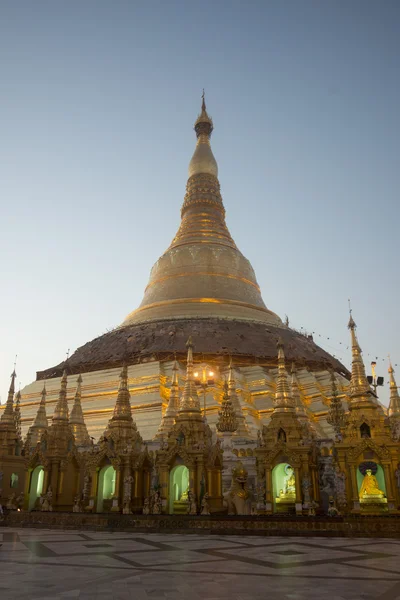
<point x="98" y="100"/>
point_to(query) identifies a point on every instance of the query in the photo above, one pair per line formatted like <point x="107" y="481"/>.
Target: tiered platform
<point x="349" y="526"/>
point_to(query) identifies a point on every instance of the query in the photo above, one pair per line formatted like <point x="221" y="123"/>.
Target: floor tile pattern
<point x="54" y="565"/>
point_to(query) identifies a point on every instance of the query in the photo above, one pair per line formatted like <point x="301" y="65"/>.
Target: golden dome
<point x="203" y="273"/>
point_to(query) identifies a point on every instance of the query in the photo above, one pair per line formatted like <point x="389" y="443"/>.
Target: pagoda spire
<point x="394" y="403"/>
<point x="61" y="410"/>
<point x="204" y="124"/>
<point x="242" y="429"/>
<point x="360" y="389"/>
<point x="298" y="403"/>
<point x="122" y="409"/>
<point x="121" y="427"/>
<point x="76" y="419"/>
<point x="336" y="412"/>
<point x="7" y="420"/>
<point x="40" y="424"/>
<point x="227" y="421"/>
<point x="17" y="414"/>
<point x="168" y="420"/>
<point x="190" y="400"/>
<point x="284" y="401"/>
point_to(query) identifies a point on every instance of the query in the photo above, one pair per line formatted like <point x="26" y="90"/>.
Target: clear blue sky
<point x="98" y="100"/>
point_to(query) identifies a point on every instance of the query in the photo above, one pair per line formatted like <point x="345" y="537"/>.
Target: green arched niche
<point x="283" y="485"/>
<point x="178" y="485"/>
<point x="36" y="487"/>
<point x="106" y="488"/>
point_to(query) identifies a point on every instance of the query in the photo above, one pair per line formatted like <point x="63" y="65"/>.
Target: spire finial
<point x="359" y="386"/>
<point x="204" y="124"/>
<point x="61" y="411"/>
<point x="351" y="324"/>
<point x="203" y="103"/>
<point x="40" y="424"/>
<point x="227" y="422"/>
<point x="190" y="399"/>
<point x="394" y="403"/>
<point x="169" y="416"/>
<point x="283" y="397"/>
<point x="7" y="418"/>
<point x="76" y="420"/>
<point x="299" y="406"/>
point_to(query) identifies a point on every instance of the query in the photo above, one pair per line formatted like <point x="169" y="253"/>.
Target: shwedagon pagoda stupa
<point x="201" y="402"/>
<point x="203" y="287"/>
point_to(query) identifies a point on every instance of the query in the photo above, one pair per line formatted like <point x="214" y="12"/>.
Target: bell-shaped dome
<point x="202" y="274"/>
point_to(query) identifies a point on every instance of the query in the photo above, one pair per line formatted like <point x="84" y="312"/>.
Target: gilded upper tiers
<point x="203" y="273"/>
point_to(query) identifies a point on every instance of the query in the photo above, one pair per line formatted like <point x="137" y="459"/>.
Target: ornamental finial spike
<point x="7" y="418"/>
<point x="227" y="421"/>
<point x="204" y="124"/>
<point x="190" y="400"/>
<point x="394" y="403"/>
<point x="77" y="420"/>
<point x="360" y="389"/>
<point x="283" y="395"/>
<point x="351" y="324"/>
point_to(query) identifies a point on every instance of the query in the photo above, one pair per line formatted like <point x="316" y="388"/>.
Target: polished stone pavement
<point x="40" y="564"/>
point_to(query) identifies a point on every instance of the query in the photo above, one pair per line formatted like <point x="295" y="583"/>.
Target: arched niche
<point x="36" y="486"/>
<point x="106" y="488"/>
<point x="365" y="430"/>
<point x="178" y="487"/>
<point x="283" y="486"/>
<point x="377" y="476"/>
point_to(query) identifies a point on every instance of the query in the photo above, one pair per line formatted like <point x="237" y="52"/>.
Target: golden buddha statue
<point x="289" y="485"/>
<point x="370" y="488"/>
<point x="185" y="495"/>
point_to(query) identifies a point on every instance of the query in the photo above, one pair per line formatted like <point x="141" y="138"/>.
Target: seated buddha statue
<point x="289" y="485"/>
<point x="369" y="487"/>
<point x="185" y="496"/>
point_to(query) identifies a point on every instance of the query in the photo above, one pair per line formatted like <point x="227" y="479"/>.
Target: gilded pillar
<point x="268" y="485"/>
<point x="298" y="484"/>
<point x="95" y="480"/>
<point x="164" y="483"/>
<point x="46" y="479"/>
<point x="354" y="488"/>
<point x="388" y="482"/>
<point x="315" y="486"/>
<point x="117" y="483"/>
<point x="199" y="475"/>
<point x="53" y="478"/>
<point x="27" y="487"/>
<point x="60" y="482"/>
<point x="396" y="480"/>
<point x="193" y="479"/>
<point x="136" y="483"/>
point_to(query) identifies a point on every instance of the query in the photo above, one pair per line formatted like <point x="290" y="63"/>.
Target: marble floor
<point x="50" y="565"/>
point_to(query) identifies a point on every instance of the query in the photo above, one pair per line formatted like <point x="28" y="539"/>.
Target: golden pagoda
<point x="284" y="453"/>
<point x="367" y="452"/>
<point x="76" y="419"/>
<point x="202" y="286"/>
<point x="137" y="439"/>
